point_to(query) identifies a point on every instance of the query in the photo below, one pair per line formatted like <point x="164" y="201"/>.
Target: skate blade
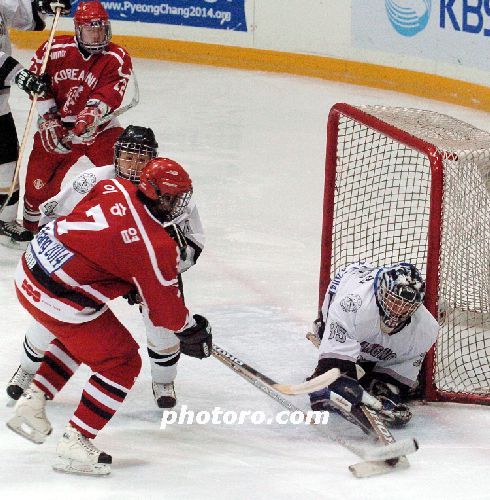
<point x="69" y="466"/>
<point x="22" y="428"/>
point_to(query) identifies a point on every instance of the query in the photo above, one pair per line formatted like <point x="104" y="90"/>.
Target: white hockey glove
<point x="88" y="120"/>
<point x="52" y="133"/>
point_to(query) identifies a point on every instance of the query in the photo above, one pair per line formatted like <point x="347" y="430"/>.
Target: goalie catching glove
<point x="394" y="413"/>
<point x="197" y="340"/>
<point x="88" y="120"/>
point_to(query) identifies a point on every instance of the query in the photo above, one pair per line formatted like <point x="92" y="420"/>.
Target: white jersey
<point x="15" y="14"/>
<point x="353" y="330"/>
<point x="63" y="203"/>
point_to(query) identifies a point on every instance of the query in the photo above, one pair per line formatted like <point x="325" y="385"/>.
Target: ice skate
<point x="19" y="382"/>
<point x="77" y="455"/>
<point x="164" y="395"/>
<point x="30" y="419"/>
<point x="14" y="235"/>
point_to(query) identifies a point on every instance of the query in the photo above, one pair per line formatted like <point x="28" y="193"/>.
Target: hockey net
<point x="412" y="185"/>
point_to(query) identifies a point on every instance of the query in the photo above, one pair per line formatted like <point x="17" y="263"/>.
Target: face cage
<point x="94" y="47"/>
<point x="396" y="309"/>
<point x="140" y="151"/>
<point x="178" y="203"/>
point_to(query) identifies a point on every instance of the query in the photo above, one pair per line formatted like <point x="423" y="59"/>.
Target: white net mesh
<point x="382" y="211"/>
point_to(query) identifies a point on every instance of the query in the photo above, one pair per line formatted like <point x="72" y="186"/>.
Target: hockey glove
<point x="52" y="133"/>
<point x="196" y="341"/>
<point x="343" y="394"/>
<point x="394" y="413"/>
<point x="31" y="83"/>
<point x="88" y="120"/>
<point x="50" y="6"/>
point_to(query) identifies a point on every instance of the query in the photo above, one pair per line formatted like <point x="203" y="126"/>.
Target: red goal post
<point x="412" y="185"/>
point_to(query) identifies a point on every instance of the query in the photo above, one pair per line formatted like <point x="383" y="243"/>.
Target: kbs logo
<point x="31" y="291"/>
<point x="410" y="17"/>
<point x="465" y="15"/>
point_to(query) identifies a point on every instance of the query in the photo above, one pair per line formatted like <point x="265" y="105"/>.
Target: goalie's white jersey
<point x="353" y="330"/>
<point x="63" y="203"/>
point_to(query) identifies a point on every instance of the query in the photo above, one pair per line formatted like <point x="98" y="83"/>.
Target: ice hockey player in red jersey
<point x="89" y="76"/>
<point x="373" y="318"/>
<point x="114" y="240"/>
<point x="25" y="15"/>
<point x="132" y="151"/>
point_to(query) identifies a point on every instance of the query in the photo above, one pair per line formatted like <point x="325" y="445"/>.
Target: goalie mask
<point x="92" y="27"/>
<point x="167" y="188"/>
<point x="134" y="148"/>
<point x="399" y="291"/>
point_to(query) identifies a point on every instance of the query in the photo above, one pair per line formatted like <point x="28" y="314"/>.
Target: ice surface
<point x="254" y="144"/>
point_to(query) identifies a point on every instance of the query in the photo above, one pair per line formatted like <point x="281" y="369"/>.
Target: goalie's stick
<point x="246" y="371"/>
<point x="380" y="431"/>
<point x="117" y="112"/>
<point x="15" y="179"/>
<point x="275" y="391"/>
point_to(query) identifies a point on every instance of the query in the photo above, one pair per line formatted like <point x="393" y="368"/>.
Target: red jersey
<point x="76" y="78"/>
<point x="109" y="244"/>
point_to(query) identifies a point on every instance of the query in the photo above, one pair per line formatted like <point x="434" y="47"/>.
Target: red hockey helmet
<point x="168" y="185"/>
<point x="92" y="27"/>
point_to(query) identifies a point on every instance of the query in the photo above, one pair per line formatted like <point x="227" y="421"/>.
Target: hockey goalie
<point x="375" y="329"/>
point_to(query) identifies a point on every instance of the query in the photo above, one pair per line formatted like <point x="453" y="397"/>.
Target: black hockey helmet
<point x="134" y="148"/>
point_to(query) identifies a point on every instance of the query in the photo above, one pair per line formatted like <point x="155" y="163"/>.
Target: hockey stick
<point x="315" y="384"/>
<point x="118" y="112"/>
<point x="271" y="388"/>
<point x="15" y="179"/>
<point x="382" y="434"/>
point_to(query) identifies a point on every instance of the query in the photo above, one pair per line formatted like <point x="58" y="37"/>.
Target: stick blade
<point x="393" y="450"/>
<point x="315" y="384"/>
<point x="377" y="468"/>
